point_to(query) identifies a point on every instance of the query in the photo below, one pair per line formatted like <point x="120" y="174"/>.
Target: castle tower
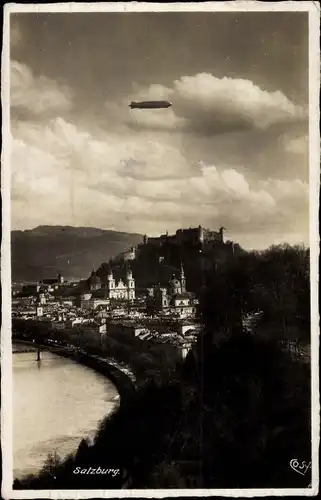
<point x="130" y="282"/>
<point x="222" y="229"/>
<point x="200" y="234"/>
<point x="182" y="279"/>
<point x="60" y="279"/>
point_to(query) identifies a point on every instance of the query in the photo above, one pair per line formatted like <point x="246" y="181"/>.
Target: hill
<point x="157" y="263"/>
<point x="45" y="251"/>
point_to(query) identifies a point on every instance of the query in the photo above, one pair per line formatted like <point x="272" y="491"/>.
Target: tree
<point x="52" y="463"/>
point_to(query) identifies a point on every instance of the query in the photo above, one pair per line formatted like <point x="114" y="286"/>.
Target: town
<point x="87" y="311"/>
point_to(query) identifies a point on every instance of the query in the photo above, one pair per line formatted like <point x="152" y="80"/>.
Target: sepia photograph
<point x="160" y="191"/>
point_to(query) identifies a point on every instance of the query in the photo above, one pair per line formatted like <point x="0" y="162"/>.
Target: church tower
<point x="164" y="298"/>
<point x="182" y="279"/>
<point x="175" y="286"/>
<point x="161" y="299"/>
<point x="94" y="281"/>
<point x="111" y="284"/>
<point x="130" y="282"/>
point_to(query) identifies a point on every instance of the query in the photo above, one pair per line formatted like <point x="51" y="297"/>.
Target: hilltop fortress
<point x="156" y="259"/>
<point x="190" y="236"/>
<point x="198" y="237"/>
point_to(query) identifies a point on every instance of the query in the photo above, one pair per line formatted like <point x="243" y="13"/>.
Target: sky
<point x="232" y="151"/>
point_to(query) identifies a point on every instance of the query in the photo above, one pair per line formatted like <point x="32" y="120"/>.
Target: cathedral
<point x="121" y="290"/>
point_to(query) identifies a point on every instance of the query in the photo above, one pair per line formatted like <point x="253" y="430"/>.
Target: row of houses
<point x="83" y="331"/>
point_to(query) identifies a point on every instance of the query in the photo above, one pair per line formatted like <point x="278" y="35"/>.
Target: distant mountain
<point x="45" y="251"/>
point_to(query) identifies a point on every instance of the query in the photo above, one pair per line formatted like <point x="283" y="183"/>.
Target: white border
<point x="314" y="193"/>
<point x="314" y="160"/>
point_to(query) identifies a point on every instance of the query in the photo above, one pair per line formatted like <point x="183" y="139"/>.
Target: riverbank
<point x="123" y="383"/>
<point x="56" y="403"/>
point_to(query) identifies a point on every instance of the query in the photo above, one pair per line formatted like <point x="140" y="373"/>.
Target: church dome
<point x="174" y="282"/>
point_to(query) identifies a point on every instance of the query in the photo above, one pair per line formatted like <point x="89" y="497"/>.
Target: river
<point x="56" y="403"/>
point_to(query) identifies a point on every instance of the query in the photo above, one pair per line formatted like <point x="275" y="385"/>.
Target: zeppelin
<point x="150" y="104"/>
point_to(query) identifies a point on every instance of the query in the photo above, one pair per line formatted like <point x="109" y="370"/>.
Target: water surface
<point x="56" y="403"/>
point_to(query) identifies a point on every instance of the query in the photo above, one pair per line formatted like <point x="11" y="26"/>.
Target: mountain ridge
<point x="44" y="251"/>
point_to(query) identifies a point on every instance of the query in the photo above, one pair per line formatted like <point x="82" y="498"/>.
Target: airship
<point x="150" y="104"/>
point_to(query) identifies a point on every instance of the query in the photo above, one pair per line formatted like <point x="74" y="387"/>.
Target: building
<point x="94" y="281"/>
<point x="124" y="289"/>
<point x="52" y="283"/>
<point x="126" y="256"/>
<point x="42" y="298"/>
<point x="90" y="332"/>
<point x="39" y="310"/>
<point x="182" y="343"/>
<point x="30" y="289"/>
<point x="29" y="312"/>
<point x="91" y="328"/>
<point x="16" y="289"/>
<point x="108" y="291"/>
<point x="68" y="302"/>
<point x="191" y="236"/>
<point x="132" y="328"/>
<point x="174" y="299"/>
<point x="94" y="299"/>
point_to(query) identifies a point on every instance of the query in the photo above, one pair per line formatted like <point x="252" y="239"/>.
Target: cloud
<point x="297" y="145"/>
<point x="36" y="96"/>
<point x="62" y="174"/>
<point x="15" y="33"/>
<point x="209" y="105"/>
<point x="153" y="160"/>
<point x="125" y="168"/>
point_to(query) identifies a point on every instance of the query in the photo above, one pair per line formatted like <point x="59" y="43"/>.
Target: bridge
<point x="28" y="346"/>
<point x="26" y="349"/>
<point x="23" y="350"/>
<point x="119" y="374"/>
